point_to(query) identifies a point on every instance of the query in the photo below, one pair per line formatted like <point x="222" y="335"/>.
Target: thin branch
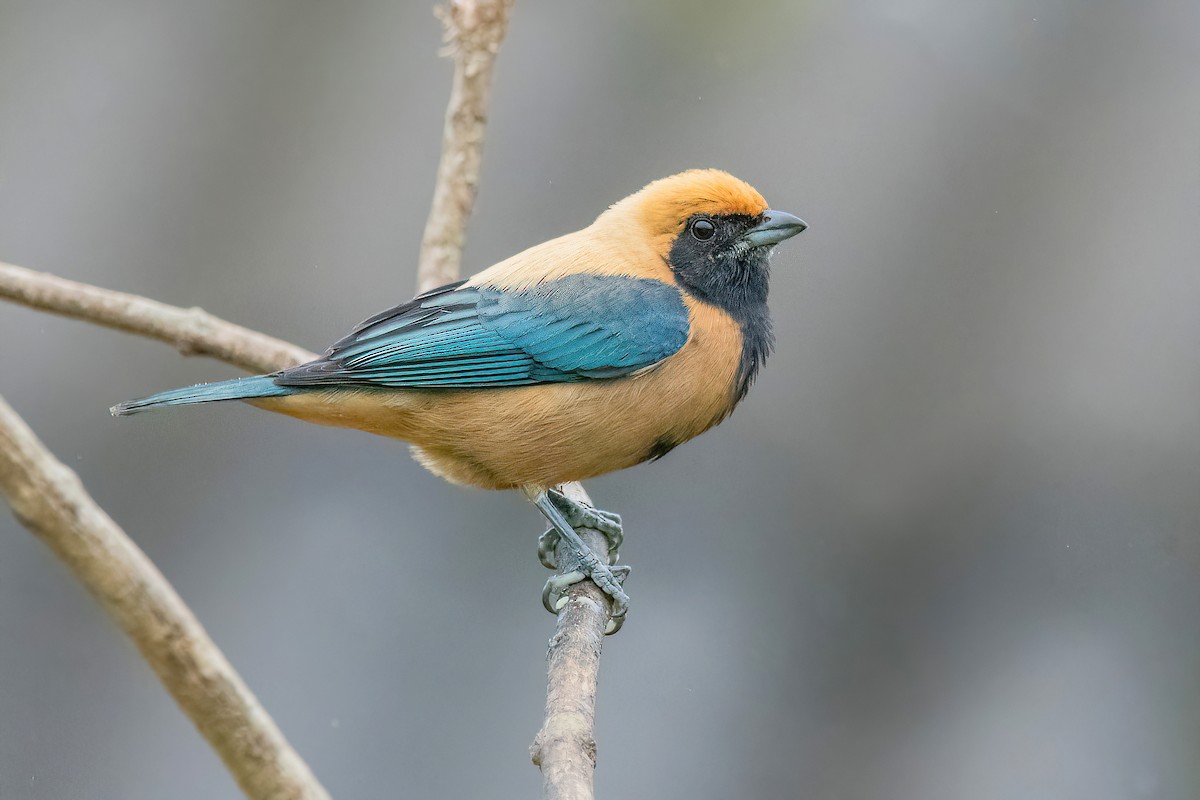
<point x="49" y="499"/>
<point x="565" y="747"/>
<point x="474" y="30"/>
<point x="192" y="331"/>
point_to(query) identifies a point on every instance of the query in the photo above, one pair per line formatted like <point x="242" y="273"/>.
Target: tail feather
<point x="236" y="389"/>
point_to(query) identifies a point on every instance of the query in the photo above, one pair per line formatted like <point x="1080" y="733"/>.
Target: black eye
<point x="703" y="229"/>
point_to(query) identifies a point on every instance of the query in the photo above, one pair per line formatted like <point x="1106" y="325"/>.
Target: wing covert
<point x="573" y="328"/>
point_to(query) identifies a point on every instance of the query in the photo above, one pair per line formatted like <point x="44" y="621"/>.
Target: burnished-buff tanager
<point x="585" y="354"/>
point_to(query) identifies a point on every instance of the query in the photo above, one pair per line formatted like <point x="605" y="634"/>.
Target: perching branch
<point x="565" y="747"/>
<point x="474" y="30"/>
<point x="49" y="499"/>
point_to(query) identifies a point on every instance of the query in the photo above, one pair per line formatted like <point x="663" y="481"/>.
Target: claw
<point x="554" y="593"/>
<point x="547" y="549"/>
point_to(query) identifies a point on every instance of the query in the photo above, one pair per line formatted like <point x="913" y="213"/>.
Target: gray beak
<point x="774" y="228"/>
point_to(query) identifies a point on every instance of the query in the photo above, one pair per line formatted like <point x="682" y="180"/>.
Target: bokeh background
<point x="949" y="547"/>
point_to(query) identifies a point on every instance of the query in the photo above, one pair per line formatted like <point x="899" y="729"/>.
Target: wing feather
<point x="568" y="329"/>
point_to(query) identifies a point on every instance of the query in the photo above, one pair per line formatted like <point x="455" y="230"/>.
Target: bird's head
<point x="713" y="230"/>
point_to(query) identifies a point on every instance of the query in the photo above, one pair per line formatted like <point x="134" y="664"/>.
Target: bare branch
<point x="565" y="747"/>
<point x="474" y="30"/>
<point x="49" y="499"/>
<point x="192" y="331"/>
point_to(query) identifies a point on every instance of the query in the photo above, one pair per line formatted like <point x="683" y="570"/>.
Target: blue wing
<point x="569" y="329"/>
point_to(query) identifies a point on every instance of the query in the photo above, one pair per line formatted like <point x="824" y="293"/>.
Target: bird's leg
<point x="585" y="563"/>
<point x="579" y="515"/>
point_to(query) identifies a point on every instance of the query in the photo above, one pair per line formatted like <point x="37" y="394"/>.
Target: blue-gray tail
<point x="236" y="389"/>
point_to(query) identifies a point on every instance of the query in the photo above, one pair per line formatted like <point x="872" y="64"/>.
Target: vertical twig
<point x="474" y="30"/>
<point x="565" y="747"/>
<point x="49" y="499"/>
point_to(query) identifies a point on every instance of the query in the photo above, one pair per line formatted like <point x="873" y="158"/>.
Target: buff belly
<point x="547" y="434"/>
<point x="507" y="438"/>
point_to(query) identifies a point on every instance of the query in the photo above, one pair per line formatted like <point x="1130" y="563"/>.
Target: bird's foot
<point x="580" y="562"/>
<point x="579" y="515"/>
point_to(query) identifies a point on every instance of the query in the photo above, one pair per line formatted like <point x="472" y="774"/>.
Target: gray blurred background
<point x="948" y="548"/>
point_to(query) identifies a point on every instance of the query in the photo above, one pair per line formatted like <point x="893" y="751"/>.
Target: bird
<point x="589" y="353"/>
